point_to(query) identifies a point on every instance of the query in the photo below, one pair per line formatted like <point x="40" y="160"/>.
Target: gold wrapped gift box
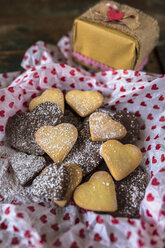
<point x="119" y="44"/>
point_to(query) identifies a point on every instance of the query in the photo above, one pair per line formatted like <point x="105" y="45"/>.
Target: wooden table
<point x="24" y="22"/>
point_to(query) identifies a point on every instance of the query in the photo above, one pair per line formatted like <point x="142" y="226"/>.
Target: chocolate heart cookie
<point x="21" y="128"/>
<point x="52" y="183"/>
<point x="131" y="123"/>
<point x="85" y="153"/>
<point x="26" y="167"/>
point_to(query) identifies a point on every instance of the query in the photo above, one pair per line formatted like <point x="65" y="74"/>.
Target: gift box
<point x="113" y="36"/>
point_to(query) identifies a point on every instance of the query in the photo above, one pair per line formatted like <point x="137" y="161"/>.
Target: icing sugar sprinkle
<point x="51" y="183"/>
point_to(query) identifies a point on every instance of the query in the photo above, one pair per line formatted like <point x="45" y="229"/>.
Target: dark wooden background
<point x="23" y="22"/>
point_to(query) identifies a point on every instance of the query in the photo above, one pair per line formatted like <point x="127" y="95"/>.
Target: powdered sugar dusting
<point x="57" y="141"/>
<point x="52" y="183"/>
<point x="21" y="128"/>
<point x="26" y="166"/>
<point x="102" y="127"/>
<point x="84" y="103"/>
<point x="85" y="153"/>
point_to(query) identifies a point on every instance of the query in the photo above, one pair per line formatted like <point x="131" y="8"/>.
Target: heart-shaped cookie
<point x="102" y="127"/>
<point x="52" y="183"/>
<point x="84" y="102"/>
<point x="131" y="123"/>
<point x="120" y="159"/>
<point x="26" y="167"/>
<point x="57" y="141"/>
<point x="49" y="95"/>
<point x="21" y="128"/>
<point x="75" y="175"/>
<point x="85" y="153"/>
<point x="98" y="194"/>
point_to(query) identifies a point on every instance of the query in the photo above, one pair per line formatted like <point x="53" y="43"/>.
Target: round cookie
<point x="132" y="125"/>
<point x="21" y="128"/>
<point x="52" y="183"/>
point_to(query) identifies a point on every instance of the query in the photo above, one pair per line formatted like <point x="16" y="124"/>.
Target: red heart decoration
<point x="154" y="87"/>
<point x="135" y="94"/>
<point x="72" y="72"/>
<point x="31" y="82"/>
<point x="155" y="182"/>
<point x="154" y="160"/>
<point x="53" y="211"/>
<point x="137" y="74"/>
<point x="11" y="104"/>
<point x="99" y="220"/>
<point x="113" y="238"/>
<point x="11" y="89"/>
<point x="62" y="65"/>
<point x="122" y="89"/>
<point x="7" y="210"/>
<point x="2" y="113"/>
<point x="162" y="170"/>
<point x="31" y="208"/>
<point x="90" y="85"/>
<point x="3" y="226"/>
<point x="143" y="127"/>
<point x="150" y="117"/>
<point x="66" y="216"/>
<point x="53" y="71"/>
<point x="156" y="107"/>
<point x="149" y="148"/>
<point x="130" y="101"/>
<point x="72" y="86"/>
<point x="128" y="80"/>
<point x="148" y="95"/>
<point x="97" y="237"/>
<point x="81" y="233"/>
<point x="74" y="245"/>
<point x="148" y="213"/>
<point x="128" y="235"/>
<point x="153" y="127"/>
<point x="161" y="98"/>
<point x="125" y="72"/>
<point x="15" y="229"/>
<point x="115" y="15"/>
<point x="57" y="243"/>
<point x="150" y="197"/>
<point x="114" y="221"/>
<point x="2" y="99"/>
<point x="63" y="79"/>
<point x="55" y="227"/>
<point x="43" y="218"/>
<point x="157" y="147"/>
<point x="15" y="241"/>
<point x="131" y="222"/>
<point x="143" y="104"/>
<point x="162" y="118"/>
<point x="20" y="215"/>
<point x="45" y="80"/>
<point x="162" y="158"/>
<point x="157" y="136"/>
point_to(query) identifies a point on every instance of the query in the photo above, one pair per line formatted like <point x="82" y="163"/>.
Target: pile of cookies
<point x="75" y="150"/>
